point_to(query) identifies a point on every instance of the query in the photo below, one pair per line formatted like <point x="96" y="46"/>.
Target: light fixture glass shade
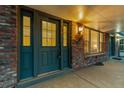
<point x="80" y="29"/>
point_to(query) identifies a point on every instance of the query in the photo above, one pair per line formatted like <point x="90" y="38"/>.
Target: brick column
<point x="8" y="62"/>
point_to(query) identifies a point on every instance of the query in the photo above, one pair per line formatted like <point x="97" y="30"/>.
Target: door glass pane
<point x="26" y="31"/>
<point x="49" y="26"/>
<point x="44" y="26"/>
<point x="65" y="35"/>
<point x="44" y="34"/>
<point x="53" y="42"/>
<point x="44" y="42"/>
<point x="53" y="27"/>
<point x="48" y="33"/>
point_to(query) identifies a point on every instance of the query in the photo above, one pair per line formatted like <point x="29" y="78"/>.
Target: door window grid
<point x="26" y="31"/>
<point x="48" y="34"/>
<point x="65" y="35"/>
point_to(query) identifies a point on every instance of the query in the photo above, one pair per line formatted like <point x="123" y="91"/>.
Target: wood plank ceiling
<point x="106" y="18"/>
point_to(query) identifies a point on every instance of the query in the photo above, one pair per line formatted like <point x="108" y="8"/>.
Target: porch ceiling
<point x="103" y="17"/>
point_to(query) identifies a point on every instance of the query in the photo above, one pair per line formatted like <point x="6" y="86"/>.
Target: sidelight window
<point x="65" y="35"/>
<point x="26" y="31"/>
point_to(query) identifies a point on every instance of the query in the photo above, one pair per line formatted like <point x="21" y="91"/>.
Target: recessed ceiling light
<point x="118" y="28"/>
<point x="81" y="15"/>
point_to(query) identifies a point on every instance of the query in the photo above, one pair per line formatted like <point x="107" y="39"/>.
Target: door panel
<point x="49" y="50"/>
<point x="65" y="45"/>
<point x="26" y="54"/>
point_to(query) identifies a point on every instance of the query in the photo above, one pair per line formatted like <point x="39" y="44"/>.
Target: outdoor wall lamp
<point x="80" y="29"/>
<point x="117" y="37"/>
<point x="79" y="35"/>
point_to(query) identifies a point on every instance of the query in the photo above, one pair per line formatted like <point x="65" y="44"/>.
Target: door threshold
<point x="42" y="77"/>
<point x="47" y="73"/>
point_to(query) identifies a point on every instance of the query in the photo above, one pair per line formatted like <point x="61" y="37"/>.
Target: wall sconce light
<point x="118" y="38"/>
<point x="80" y="28"/>
<point x="78" y="36"/>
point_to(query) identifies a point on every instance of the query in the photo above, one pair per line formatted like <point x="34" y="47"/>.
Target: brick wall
<point x="8" y="52"/>
<point x="79" y="59"/>
<point x="8" y="60"/>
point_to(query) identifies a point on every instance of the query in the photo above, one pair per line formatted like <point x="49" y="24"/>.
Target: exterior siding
<point x="8" y="60"/>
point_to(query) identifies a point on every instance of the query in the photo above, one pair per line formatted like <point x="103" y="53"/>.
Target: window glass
<point x="122" y="45"/>
<point x="26" y="31"/>
<point x="86" y="40"/>
<point x="101" y="42"/>
<point x="94" y="42"/>
<point x="65" y="35"/>
<point x="48" y="34"/>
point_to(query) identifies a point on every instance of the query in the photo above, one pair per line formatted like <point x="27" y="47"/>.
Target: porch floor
<point x="109" y="75"/>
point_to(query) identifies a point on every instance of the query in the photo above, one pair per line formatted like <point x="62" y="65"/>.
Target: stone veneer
<point x="79" y="59"/>
<point x="8" y="62"/>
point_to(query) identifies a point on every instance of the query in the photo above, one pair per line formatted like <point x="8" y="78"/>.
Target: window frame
<point x="90" y="30"/>
<point x="97" y="42"/>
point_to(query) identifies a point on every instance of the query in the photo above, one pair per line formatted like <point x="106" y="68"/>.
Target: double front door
<point x="52" y="45"/>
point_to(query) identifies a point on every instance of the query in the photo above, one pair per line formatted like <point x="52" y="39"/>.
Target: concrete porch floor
<point x="111" y="75"/>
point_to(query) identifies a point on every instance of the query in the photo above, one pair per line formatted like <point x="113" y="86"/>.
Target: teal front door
<point x="43" y="44"/>
<point x="49" y="45"/>
<point x="26" y="45"/>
